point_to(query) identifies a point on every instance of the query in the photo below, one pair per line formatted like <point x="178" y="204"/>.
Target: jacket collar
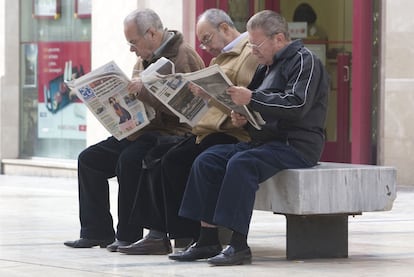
<point x="288" y="51"/>
<point x="235" y="43"/>
<point x="167" y="37"/>
<point x="168" y="48"/>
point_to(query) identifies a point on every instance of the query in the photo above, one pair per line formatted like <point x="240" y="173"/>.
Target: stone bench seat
<point x="317" y="202"/>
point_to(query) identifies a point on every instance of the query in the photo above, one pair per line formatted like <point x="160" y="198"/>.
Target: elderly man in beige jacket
<point x="218" y="36"/>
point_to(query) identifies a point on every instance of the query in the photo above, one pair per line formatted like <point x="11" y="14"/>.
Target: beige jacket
<point x="239" y="65"/>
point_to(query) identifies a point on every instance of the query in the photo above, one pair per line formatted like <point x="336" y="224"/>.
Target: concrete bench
<point x="317" y="202"/>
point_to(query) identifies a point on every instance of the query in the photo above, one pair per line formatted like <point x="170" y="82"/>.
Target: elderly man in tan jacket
<point x="218" y="36"/>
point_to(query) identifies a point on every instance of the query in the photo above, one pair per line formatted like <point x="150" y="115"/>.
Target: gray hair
<point x="270" y="22"/>
<point x="215" y="17"/>
<point x="145" y="19"/>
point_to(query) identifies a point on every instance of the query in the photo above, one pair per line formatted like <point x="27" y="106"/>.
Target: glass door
<point x="54" y="47"/>
<point x="327" y="28"/>
<point x="328" y="33"/>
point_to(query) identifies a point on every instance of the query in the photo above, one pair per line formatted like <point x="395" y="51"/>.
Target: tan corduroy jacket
<point x="239" y="65"/>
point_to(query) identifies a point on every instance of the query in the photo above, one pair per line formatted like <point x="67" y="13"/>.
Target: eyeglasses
<point x="256" y="46"/>
<point x="132" y="43"/>
<point x="205" y="42"/>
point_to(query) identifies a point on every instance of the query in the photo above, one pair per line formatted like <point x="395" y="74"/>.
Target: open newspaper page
<point x="172" y="90"/>
<point x="104" y="92"/>
<point x="215" y="83"/>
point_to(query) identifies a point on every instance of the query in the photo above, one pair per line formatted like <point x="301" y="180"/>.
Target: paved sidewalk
<point x="37" y="214"/>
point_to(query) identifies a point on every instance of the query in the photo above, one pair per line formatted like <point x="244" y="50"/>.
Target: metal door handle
<point x="346" y="76"/>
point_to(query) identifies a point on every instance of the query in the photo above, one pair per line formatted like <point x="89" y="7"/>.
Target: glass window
<point x="54" y="48"/>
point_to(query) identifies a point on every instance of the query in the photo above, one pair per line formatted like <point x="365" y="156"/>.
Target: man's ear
<point x="279" y="37"/>
<point x="150" y="33"/>
<point x="224" y="27"/>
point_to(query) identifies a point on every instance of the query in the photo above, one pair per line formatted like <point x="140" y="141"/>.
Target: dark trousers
<point x="224" y="179"/>
<point x="96" y="165"/>
<point x="167" y="185"/>
<point x="149" y="209"/>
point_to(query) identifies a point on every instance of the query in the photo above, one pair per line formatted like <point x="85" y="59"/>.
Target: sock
<point x="154" y="234"/>
<point x="208" y="236"/>
<point x="238" y="241"/>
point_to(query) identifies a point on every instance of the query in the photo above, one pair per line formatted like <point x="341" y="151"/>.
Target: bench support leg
<point x="316" y="236"/>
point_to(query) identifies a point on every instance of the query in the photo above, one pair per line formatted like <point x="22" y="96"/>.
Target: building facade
<point x="43" y="128"/>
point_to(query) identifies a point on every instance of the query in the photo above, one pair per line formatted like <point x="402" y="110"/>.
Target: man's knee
<point x="130" y="158"/>
<point x="85" y="156"/>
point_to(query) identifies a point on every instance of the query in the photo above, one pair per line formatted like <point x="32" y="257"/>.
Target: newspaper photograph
<point x="215" y="83"/>
<point x="104" y="92"/>
<point x="172" y="90"/>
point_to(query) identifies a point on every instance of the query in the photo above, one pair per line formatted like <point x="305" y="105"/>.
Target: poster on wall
<point x="60" y="113"/>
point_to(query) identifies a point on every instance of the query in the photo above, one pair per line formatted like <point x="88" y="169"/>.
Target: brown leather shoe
<point x="147" y="246"/>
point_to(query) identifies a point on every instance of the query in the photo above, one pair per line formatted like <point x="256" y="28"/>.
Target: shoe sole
<point x="184" y="259"/>
<point x="144" y="252"/>
<point x="87" y="246"/>
<point x="242" y="262"/>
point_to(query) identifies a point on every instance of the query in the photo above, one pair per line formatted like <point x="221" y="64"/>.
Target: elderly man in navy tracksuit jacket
<point x="289" y="90"/>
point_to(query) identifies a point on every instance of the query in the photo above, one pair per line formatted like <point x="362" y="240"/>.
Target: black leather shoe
<point x="229" y="256"/>
<point x="88" y="243"/>
<point x="147" y="246"/>
<point x="193" y="253"/>
<point x="113" y="247"/>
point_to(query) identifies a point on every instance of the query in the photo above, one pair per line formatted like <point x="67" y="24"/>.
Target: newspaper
<point x="172" y="90"/>
<point x="104" y="92"/>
